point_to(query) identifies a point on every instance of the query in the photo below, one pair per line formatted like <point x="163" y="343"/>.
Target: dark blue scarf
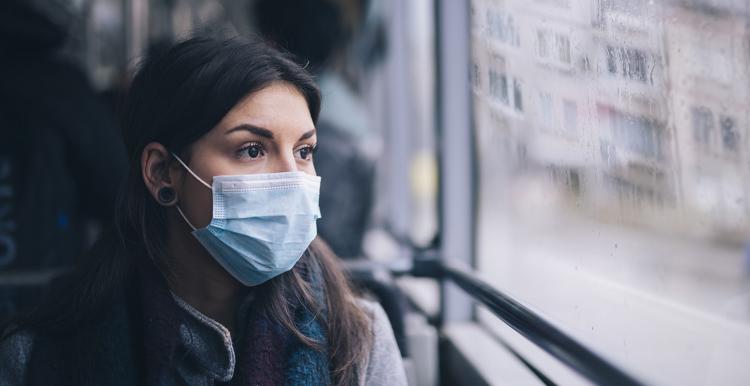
<point x="271" y="355"/>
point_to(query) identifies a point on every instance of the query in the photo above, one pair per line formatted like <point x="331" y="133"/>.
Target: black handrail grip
<point x="536" y="329"/>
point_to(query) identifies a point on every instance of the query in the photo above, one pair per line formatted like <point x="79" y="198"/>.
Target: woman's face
<point x="269" y="131"/>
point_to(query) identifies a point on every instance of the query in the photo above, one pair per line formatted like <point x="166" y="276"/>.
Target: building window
<point x="503" y="28"/>
<point x="729" y="137"/>
<point x="499" y="86"/>
<point x="517" y="95"/>
<point x="703" y="126"/>
<point x="543" y="44"/>
<point x="553" y="47"/>
<point x="629" y="63"/>
<point x="498" y="80"/>
<point x="546" y="109"/>
<point x="611" y="60"/>
<point x="562" y="46"/>
<point x="637" y="134"/>
<point x="476" y="79"/>
<point x="556" y="3"/>
<point x="629" y="7"/>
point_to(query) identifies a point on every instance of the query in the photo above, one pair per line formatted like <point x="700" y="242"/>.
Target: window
<point x="562" y="45"/>
<point x="499" y="86"/>
<point x="707" y="139"/>
<point x="543" y="44"/>
<point x="476" y="76"/>
<point x="502" y="27"/>
<point x="547" y="110"/>
<point x="636" y="134"/>
<point x="703" y="126"/>
<point x="629" y="63"/>
<point x="498" y="80"/>
<point x="632" y="237"/>
<point x="556" y="3"/>
<point x="728" y="134"/>
<point x="517" y="95"/>
<point x="632" y="7"/>
<point x="502" y="87"/>
<point x="553" y="47"/>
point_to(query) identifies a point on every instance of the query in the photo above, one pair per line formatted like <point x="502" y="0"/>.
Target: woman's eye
<point x="306" y="152"/>
<point x="252" y="151"/>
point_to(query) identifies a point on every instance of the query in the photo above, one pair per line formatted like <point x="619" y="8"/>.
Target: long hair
<point x="176" y="97"/>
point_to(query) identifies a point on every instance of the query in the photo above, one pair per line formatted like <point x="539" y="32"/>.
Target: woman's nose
<point x="285" y="163"/>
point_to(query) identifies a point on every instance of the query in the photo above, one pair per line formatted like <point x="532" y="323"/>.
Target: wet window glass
<point x="614" y="176"/>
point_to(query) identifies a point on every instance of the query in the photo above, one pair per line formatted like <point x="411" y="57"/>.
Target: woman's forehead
<point x="279" y="108"/>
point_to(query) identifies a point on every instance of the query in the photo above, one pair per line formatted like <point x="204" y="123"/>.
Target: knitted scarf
<point x="137" y="342"/>
<point x="268" y="354"/>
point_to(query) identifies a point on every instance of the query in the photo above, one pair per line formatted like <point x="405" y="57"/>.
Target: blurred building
<point x="709" y="94"/>
<point x="632" y="110"/>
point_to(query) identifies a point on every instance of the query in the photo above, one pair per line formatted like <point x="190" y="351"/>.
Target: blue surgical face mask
<point x="261" y="224"/>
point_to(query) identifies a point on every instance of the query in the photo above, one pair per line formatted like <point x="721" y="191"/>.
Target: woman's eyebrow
<point x="253" y="129"/>
<point x="307" y="135"/>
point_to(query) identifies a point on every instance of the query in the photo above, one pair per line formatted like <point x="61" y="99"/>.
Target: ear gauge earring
<point x="167" y="196"/>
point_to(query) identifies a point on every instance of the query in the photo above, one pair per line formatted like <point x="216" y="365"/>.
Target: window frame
<point x="456" y="150"/>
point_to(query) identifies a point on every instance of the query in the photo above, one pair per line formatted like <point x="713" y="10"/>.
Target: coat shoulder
<point x="384" y="365"/>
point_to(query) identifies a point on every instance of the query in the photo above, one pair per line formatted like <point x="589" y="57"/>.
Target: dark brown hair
<point x="176" y="97"/>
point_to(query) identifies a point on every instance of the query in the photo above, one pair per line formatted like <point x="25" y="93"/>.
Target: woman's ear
<point x="155" y="169"/>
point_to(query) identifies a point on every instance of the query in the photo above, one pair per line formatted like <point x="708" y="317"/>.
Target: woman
<point x="214" y="275"/>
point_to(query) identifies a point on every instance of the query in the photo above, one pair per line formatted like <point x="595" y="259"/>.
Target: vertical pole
<point x="456" y="149"/>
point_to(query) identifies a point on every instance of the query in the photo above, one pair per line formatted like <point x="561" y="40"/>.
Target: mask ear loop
<point x="197" y="178"/>
<point x="185" y="218"/>
<point x="191" y="172"/>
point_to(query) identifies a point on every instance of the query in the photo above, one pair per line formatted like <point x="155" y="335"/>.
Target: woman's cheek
<point x="200" y="206"/>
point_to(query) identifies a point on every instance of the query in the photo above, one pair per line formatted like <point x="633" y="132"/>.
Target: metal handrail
<point x="536" y="329"/>
<point x="428" y="262"/>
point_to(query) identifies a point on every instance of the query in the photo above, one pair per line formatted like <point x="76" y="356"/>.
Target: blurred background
<point x="588" y="159"/>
